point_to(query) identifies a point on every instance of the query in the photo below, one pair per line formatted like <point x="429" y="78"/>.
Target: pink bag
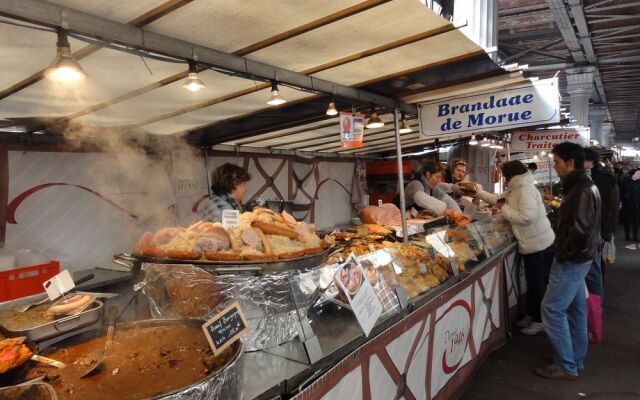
<point x="594" y="318"/>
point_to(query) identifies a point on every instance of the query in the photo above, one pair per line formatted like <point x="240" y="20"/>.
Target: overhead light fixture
<point x="543" y="153"/>
<point x="535" y="157"/>
<point x="485" y="143"/>
<point x="64" y="68"/>
<point x="275" y="99"/>
<point x="473" y="141"/>
<point x="192" y="83"/>
<point x="374" y="121"/>
<point x="404" y="125"/>
<point x="331" y="108"/>
<point x="499" y="145"/>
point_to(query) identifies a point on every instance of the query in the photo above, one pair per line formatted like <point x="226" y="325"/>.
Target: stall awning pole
<point x="403" y="214"/>
<point x="205" y="156"/>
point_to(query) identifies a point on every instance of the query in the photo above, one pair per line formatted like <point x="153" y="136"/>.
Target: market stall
<point x="322" y="299"/>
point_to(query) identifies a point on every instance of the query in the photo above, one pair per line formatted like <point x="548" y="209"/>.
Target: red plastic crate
<point x="25" y="281"/>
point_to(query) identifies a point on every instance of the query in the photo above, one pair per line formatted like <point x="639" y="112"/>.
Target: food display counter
<point x="304" y="331"/>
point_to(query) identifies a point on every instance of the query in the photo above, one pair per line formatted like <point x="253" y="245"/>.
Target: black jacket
<point x="605" y="182"/>
<point x="577" y="224"/>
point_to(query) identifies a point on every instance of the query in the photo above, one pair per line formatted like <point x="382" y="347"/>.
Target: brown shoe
<point x="551" y="372"/>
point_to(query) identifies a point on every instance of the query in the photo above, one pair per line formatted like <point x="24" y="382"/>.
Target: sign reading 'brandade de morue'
<point x="534" y="104"/>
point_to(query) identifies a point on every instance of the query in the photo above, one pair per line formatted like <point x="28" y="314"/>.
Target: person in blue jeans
<point x="577" y="227"/>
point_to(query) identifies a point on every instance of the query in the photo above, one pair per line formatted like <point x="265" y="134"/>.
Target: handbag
<point x="594" y="318"/>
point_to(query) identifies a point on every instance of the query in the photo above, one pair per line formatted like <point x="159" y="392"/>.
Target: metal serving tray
<point x="53" y="328"/>
<point x="300" y="263"/>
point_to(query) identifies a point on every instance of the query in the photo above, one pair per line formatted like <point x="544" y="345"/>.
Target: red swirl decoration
<point x="15" y="203"/>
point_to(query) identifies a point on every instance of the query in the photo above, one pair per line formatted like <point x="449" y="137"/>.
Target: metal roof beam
<point x="48" y="14"/>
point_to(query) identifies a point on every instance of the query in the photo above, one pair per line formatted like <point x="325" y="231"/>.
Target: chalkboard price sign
<point x="225" y="328"/>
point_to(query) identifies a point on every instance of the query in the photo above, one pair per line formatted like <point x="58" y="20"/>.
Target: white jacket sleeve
<point x="430" y="203"/>
<point x="524" y="212"/>
<point x="491" y="198"/>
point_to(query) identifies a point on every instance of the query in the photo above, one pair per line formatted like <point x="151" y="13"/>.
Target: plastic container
<point x="25" y="281"/>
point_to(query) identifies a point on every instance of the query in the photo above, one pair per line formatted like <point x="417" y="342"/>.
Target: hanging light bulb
<point x="64" y="68"/>
<point x="535" y="157"/>
<point x="404" y="125"/>
<point x="275" y="98"/>
<point x="499" y="145"/>
<point x="331" y="108"/>
<point x="543" y="153"/>
<point x="192" y="83"/>
<point x="473" y="141"/>
<point x="485" y="143"/>
<point x="374" y="121"/>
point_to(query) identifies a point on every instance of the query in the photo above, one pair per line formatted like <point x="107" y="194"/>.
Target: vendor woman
<point x="426" y="194"/>
<point x="228" y="185"/>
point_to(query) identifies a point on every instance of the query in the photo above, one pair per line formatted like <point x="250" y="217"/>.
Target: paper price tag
<point x="225" y="328"/>
<point x="362" y="297"/>
<point x="230" y="218"/>
<point x="379" y="202"/>
<point x="58" y="285"/>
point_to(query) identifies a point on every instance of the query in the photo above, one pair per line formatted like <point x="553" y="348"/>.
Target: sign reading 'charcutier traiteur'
<point x="534" y="104"/>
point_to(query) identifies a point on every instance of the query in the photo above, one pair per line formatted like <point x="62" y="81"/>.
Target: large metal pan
<point x="223" y="267"/>
<point x="226" y="383"/>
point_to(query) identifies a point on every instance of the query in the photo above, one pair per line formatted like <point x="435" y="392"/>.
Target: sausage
<point x="69" y="305"/>
<point x="288" y="218"/>
<point x="275" y="229"/>
<point x="250" y="237"/>
<point x="265" y="243"/>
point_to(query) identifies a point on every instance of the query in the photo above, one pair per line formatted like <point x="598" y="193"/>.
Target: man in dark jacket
<point x="577" y="227"/>
<point x="605" y="182"/>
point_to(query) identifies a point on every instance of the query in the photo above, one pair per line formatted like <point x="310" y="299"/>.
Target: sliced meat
<point x="288" y="218"/>
<point x="145" y="242"/>
<point x="165" y="235"/>
<point x="302" y="229"/>
<point x="251" y="237"/>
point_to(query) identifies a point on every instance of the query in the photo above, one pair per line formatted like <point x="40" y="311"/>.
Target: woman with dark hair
<point x="425" y="193"/>
<point x="523" y="207"/>
<point x="228" y="185"/>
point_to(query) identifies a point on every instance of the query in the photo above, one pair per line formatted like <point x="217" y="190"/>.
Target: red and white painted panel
<point x="431" y="353"/>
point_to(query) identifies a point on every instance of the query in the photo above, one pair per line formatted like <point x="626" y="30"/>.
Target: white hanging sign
<point x="534" y="104"/>
<point x="535" y="141"/>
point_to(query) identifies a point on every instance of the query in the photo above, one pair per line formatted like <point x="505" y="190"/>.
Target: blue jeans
<point x="594" y="280"/>
<point x="564" y="314"/>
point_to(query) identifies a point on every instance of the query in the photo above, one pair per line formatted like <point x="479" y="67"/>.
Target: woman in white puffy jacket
<point x="524" y="209"/>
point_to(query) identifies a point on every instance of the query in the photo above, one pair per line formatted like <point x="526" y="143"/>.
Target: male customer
<point x="577" y="229"/>
<point x="605" y="182"/>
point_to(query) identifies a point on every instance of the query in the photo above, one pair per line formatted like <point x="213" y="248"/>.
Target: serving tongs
<point x="94" y="359"/>
<point x="22" y="308"/>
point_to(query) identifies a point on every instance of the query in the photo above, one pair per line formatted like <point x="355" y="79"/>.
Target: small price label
<point x="423" y="268"/>
<point x="230" y="218"/>
<point x="379" y="202"/>
<point x="225" y="328"/>
<point x="59" y="285"/>
<point x="432" y="253"/>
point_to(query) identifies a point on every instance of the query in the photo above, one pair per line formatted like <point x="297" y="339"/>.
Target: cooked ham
<point x="251" y="237"/>
<point x="206" y="243"/>
<point x="387" y="214"/>
<point x="220" y="234"/>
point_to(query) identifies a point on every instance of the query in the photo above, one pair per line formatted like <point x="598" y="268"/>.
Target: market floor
<point x="612" y="368"/>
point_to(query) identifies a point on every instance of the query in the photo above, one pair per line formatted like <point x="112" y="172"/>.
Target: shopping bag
<point x="609" y="252"/>
<point x="594" y="318"/>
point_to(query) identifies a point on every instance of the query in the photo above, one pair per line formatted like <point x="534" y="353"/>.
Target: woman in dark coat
<point x="630" y="213"/>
